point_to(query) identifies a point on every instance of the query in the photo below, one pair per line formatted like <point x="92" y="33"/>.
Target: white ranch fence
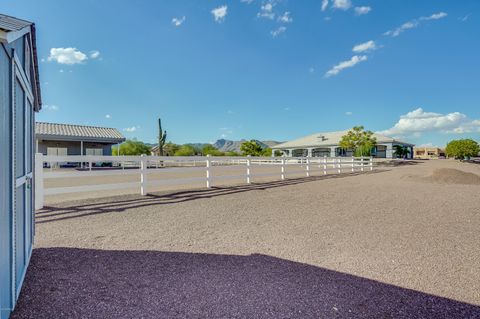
<point x="143" y="165"/>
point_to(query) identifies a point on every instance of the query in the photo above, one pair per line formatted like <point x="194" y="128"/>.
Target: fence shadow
<point x="89" y="283"/>
<point x="76" y="209"/>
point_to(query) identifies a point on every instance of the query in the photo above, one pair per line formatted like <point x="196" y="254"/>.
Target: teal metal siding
<point x="5" y="185"/>
<point x="16" y="238"/>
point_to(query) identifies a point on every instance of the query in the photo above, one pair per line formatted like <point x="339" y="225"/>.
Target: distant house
<point x="19" y="100"/>
<point x="431" y="152"/>
<point x="68" y="139"/>
<point x="327" y="144"/>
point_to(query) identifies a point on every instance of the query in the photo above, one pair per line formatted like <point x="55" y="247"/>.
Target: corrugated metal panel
<point x="8" y="23"/>
<point x="68" y="130"/>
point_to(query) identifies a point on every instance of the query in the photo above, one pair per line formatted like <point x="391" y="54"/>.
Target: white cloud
<point x="246" y="1"/>
<point x="108" y="116"/>
<point x="407" y="25"/>
<point x="324" y="5"/>
<point x="342" y="4"/>
<point x="414" y="23"/>
<point x="95" y="54"/>
<point x="178" y="21"/>
<point x="345" y="65"/>
<point x="418" y="121"/>
<point x="365" y="47"/>
<point x="348" y="113"/>
<point x="67" y="56"/>
<point x="220" y="13"/>
<point x="61" y="71"/>
<point x="362" y="10"/>
<point x="50" y="107"/>
<point x="131" y="129"/>
<point x="435" y="16"/>
<point x="285" y="18"/>
<point x="275" y="33"/>
<point x="266" y="11"/>
<point x="311" y="70"/>
<point x="465" y="18"/>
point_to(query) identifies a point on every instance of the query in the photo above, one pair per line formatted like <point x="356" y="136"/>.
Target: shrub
<point x="185" y="150"/>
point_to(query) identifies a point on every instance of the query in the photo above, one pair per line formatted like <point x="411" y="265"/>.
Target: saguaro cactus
<point x="162" y="136"/>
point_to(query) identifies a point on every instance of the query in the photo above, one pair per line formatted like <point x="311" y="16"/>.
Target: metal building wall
<point x="16" y="238"/>
<point x="5" y="184"/>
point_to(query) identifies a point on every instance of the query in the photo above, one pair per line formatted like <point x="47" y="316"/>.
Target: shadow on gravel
<point x="121" y="203"/>
<point x="399" y="162"/>
<point x="87" y="283"/>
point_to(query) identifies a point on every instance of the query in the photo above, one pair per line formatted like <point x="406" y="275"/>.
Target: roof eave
<point x="51" y="137"/>
<point x="10" y="36"/>
<point x="38" y="95"/>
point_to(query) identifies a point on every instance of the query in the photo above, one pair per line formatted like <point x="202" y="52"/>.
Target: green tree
<point x="170" y="148"/>
<point x="401" y="151"/>
<point x="211" y="150"/>
<point x="462" y="148"/>
<point x="132" y="147"/>
<point x="251" y="148"/>
<point x="359" y="141"/>
<point x="268" y="152"/>
<point x="185" y="150"/>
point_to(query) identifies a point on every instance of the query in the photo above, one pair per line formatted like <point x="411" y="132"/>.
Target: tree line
<point x="247" y="148"/>
<point x="358" y="140"/>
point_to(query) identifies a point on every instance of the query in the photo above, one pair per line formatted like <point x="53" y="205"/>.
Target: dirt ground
<point x="402" y="241"/>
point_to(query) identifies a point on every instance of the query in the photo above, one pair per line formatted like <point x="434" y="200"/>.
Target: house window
<point x="94" y="151"/>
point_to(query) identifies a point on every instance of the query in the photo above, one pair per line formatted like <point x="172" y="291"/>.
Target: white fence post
<point x="361" y="163"/>
<point x="324" y="165"/>
<point x="339" y="165"/>
<point x="143" y="175"/>
<point x="283" y="169"/>
<point x="308" y="167"/>
<point x="38" y="180"/>
<point x="248" y="170"/>
<point x="371" y="163"/>
<point x="208" y="171"/>
<point x="353" y="164"/>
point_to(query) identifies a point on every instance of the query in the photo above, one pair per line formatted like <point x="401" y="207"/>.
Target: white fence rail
<point x="143" y="165"/>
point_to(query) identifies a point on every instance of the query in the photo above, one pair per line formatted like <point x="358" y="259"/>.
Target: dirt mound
<point x="453" y="176"/>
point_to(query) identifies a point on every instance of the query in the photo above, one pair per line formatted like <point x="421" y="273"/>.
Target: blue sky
<point x="260" y="69"/>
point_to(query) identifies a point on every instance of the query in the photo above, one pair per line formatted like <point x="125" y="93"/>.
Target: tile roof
<point x="74" y="132"/>
<point x="328" y="139"/>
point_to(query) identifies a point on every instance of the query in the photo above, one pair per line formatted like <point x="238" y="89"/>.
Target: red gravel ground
<point x="401" y="242"/>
